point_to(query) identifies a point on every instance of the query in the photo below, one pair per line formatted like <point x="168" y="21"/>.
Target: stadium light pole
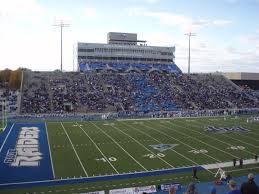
<point x="189" y="57"/>
<point x="61" y="25"/>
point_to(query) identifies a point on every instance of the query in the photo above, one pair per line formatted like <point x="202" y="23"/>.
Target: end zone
<point x="24" y="154"/>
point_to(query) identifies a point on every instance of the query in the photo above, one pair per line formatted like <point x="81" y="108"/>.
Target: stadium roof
<point x="241" y="76"/>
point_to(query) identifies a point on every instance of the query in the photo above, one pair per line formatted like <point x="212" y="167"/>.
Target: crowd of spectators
<point x="10" y="97"/>
<point x="35" y="94"/>
<point x="109" y="91"/>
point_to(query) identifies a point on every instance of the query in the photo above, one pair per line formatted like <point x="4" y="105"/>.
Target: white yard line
<point x="204" y="142"/>
<point x="74" y="149"/>
<point x="120" y="147"/>
<point x="142" y="146"/>
<point x="162" y="142"/>
<point x="53" y="171"/>
<point x="167" y="135"/>
<point x="228" y="143"/>
<point x="98" y="149"/>
<point x="6" y="138"/>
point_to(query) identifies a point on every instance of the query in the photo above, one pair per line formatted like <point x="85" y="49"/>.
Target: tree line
<point x="11" y="78"/>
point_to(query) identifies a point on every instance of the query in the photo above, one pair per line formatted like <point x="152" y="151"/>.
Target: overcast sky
<point x="227" y="30"/>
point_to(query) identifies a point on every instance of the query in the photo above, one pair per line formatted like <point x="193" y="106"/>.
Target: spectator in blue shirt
<point x="233" y="188"/>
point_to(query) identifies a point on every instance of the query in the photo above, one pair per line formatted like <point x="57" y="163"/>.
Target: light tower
<point x="189" y="57"/>
<point x="61" y="24"/>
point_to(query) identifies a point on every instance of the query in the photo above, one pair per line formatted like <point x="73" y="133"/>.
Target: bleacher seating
<point x="11" y="99"/>
<point x="148" y="91"/>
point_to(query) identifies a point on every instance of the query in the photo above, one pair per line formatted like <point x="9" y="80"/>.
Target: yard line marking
<point x="53" y="171"/>
<point x="120" y="147"/>
<point x="99" y="149"/>
<point x="200" y="140"/>
<point x="142" y="146"/>
<point x="181" y="142"/>
<point x="161" y="142"/>
<point x="74" y="149"/>
<point x="226" y="142"/>
<point x="6" y="138"/>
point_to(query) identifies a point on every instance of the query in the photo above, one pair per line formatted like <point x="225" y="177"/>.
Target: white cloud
<point x="58" y="17"/>
<point x="19" y="8"/>
<point x="185" y="23"/>
<point x="90" y="12"/>
<point x="147" y="1"/>
<point x="251" y="40"/>
<point x="221" y="22"/>
<point x="232" y="1"/>
<point x="158" y="39"/>
<point x="206" y="55"/>
<point x="152" y="1"/>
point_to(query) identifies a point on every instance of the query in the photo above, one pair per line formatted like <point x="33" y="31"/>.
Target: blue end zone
<point x="24" y="154"/>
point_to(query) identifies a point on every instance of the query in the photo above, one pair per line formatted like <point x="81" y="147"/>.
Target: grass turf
<point x="123" y="146"/>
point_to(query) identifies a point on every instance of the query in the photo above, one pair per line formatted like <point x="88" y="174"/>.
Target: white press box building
<point x="124" y="48"/>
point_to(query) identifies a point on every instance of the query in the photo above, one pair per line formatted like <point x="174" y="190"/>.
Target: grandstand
<point x="100" y="92"/>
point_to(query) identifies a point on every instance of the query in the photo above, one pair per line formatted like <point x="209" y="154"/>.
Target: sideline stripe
<point x="238" y="170"/>
<point x="98" y="149"/>
<point x="227" y="164"/>
<point x="6" y="138"/>
<point x="53" y="171"/>
<point x="74" y="149"/>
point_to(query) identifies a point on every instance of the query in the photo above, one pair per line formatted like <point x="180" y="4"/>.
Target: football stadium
<point x="128" y="120"/>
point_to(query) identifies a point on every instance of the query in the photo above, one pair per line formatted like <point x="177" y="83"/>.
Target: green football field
<point x="115" y="147"/>
<point x="99" y="148"/>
